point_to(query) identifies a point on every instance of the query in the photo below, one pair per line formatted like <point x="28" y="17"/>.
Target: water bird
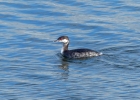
<point x="75" y="53"/>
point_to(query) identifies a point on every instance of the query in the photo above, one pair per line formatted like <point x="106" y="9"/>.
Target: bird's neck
<point x="65" y="47"/>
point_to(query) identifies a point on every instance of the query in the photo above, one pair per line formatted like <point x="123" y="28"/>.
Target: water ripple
<point x="30" y="68"/>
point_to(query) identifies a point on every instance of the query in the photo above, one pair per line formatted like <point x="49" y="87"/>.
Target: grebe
<point x="76" y="53"/>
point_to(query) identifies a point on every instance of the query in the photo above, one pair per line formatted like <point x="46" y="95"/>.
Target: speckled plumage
<point x="80" y="53"/>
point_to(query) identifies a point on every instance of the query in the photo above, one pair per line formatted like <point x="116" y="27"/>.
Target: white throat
<point x="65" y="42"/>
<point x="62" y="50"/>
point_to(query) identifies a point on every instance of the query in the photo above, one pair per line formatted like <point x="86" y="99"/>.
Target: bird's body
<point x="75" y="53"/>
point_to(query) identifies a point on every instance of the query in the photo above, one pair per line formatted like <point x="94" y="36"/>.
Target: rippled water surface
<point x="30" y="68"/>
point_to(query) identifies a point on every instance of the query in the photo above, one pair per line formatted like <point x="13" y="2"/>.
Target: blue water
<point x="30" y="68"/>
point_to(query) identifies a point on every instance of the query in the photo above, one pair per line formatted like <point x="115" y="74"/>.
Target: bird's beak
<point x="55" y="41"/>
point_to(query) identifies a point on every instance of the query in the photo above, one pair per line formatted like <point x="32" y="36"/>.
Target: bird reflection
<point x="64" y="66"/>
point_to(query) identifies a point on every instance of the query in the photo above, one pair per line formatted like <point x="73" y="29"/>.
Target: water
<point x="30" y="68"/>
